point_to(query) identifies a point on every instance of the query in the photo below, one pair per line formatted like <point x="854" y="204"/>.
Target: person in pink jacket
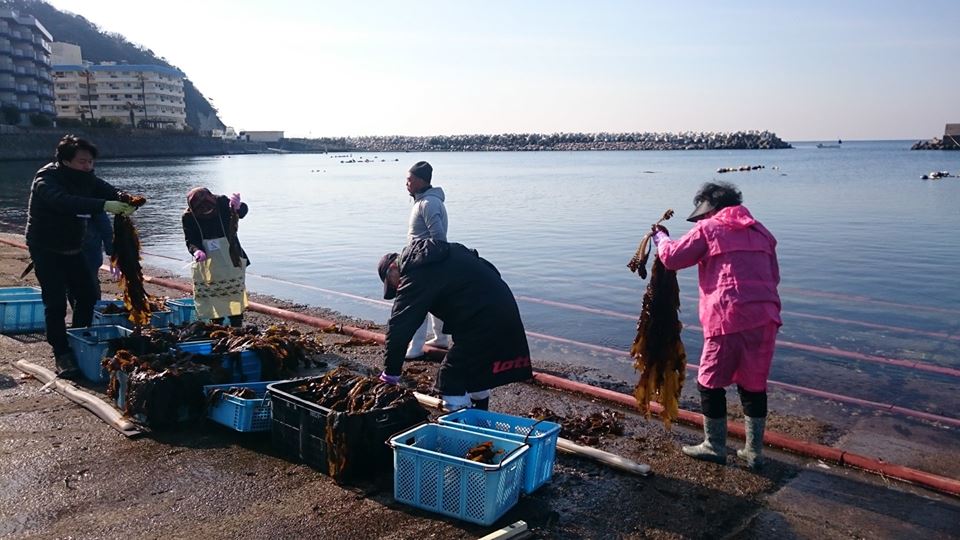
<point x="739" y="311"/>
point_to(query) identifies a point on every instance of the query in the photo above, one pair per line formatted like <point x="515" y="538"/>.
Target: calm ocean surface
<point x="869" y="253"/>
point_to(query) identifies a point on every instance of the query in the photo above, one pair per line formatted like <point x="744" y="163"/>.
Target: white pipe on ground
<point x="97" y="406"/>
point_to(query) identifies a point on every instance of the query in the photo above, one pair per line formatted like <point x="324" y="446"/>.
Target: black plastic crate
<point x="299" y="431"/>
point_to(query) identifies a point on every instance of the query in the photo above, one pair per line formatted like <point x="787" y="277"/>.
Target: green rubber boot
<point x="753" y="448"/>
<point x="714" y="446"/>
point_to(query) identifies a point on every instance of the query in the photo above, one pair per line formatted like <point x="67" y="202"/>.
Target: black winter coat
<point x="477" y="308"/>
<point x="58" y="195"/>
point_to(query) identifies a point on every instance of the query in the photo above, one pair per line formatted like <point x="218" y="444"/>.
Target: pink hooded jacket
<point x="737" y="259"/>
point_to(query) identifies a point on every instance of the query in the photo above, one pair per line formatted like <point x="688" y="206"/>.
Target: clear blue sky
<point x="806" y="70"/>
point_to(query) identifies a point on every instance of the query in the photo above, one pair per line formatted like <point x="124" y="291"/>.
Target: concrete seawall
<point x="35" y="144"/>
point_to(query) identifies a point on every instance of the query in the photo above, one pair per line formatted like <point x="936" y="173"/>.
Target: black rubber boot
<point x="481" y="404"/>
<point x="67" y="366"/>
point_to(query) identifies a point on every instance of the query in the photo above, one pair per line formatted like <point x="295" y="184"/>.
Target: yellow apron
<point x="219" y="287"/>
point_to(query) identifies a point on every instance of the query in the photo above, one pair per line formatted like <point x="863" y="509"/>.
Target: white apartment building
<point x="135" y="95"/>
<point x="25" y="83"/>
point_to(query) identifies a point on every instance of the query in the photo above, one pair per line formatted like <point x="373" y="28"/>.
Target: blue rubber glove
<point x="389" y="379"/>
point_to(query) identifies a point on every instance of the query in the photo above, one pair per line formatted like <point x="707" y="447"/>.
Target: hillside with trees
<point x="102" y="46"/>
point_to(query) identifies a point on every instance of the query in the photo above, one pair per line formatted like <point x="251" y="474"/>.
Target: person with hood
<point x="739" y="311"/>
<point x="453" y="282"/>
<point x="219" y="269"/>
<point x="428" y="221"/>
<point x="63" y="197"/>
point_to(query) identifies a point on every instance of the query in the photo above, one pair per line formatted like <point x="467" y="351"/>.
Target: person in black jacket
<point x="219" y="269"/>
<point x="64" y="194"/>
<point x="466" y="292"/>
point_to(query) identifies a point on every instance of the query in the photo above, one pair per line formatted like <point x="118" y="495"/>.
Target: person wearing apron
<point x="219" y="268"/>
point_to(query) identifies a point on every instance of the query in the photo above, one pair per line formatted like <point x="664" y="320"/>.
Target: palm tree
<point x="87" y="74"/>
<point x="143" y="95"/>
<point x="130" y="107"/>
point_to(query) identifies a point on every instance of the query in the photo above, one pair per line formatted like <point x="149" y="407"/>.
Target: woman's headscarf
<point x="201" y="202"/>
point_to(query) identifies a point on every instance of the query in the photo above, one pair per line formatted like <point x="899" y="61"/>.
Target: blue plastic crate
<point x="21" y="312"/>
<point x="17" y="291"/>
<point x="244" y="366"/>
<point x="431" y="473"/>
<point x="196" y="347"/>
<point x="540" y="435"/>
<point x="244" y="415"/>
<point x="90" y="347"/>
<point x="122" y="379"/>
<point x="158" y="319"/>
<point x="182" y="311"/>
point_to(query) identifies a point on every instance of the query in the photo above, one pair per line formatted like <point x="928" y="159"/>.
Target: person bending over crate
<point x="478" y="309"/>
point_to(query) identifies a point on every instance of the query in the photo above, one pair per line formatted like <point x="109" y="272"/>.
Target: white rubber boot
<point x="415" y="348"/>
<point x="753" y="448"/>
<point x="714" y="446"/>
<point x="439" y="339"/>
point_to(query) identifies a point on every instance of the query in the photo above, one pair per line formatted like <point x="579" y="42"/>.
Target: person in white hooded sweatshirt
<point x="428" y="221"/>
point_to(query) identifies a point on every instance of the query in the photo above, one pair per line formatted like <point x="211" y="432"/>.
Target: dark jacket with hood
<point x="477" y="308"/>
<point x="61" y="202"/>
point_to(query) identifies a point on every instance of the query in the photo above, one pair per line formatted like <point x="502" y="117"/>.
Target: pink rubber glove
<point x="115" y="272"/>
<point x="199" y="255"/>
<point x="235" y="201"/>
<point x="389" y="379"/>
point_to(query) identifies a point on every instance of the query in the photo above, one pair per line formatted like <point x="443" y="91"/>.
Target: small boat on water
<point x="838" y="145"/>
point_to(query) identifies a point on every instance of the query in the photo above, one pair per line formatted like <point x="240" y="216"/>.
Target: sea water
<point x="869" y="252"/>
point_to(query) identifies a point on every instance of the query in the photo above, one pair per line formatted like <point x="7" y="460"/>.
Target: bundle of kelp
<point x="364" y="412"/>
<point x="148" y="341"/>
<point x="126" y="257"/>
<point x="160" y="389"/>
<point x="345" y="391"/>
<point x="657" y="350"/>
<point x="282" y="350"/>
<point x="588" y="429"/>
<point x="195" y="331"/>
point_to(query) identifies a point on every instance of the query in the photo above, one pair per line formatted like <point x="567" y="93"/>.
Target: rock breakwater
<point x="936" y="143"/>
<point x="533" y="142"/>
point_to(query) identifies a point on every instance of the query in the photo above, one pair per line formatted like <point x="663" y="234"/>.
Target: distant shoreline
<point x="22" y="145"/>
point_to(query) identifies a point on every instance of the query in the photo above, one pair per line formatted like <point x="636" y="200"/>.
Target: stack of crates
<point x="431" y="472"/>
<point x="540" y="435"/>
<point x="21" y="310"/>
